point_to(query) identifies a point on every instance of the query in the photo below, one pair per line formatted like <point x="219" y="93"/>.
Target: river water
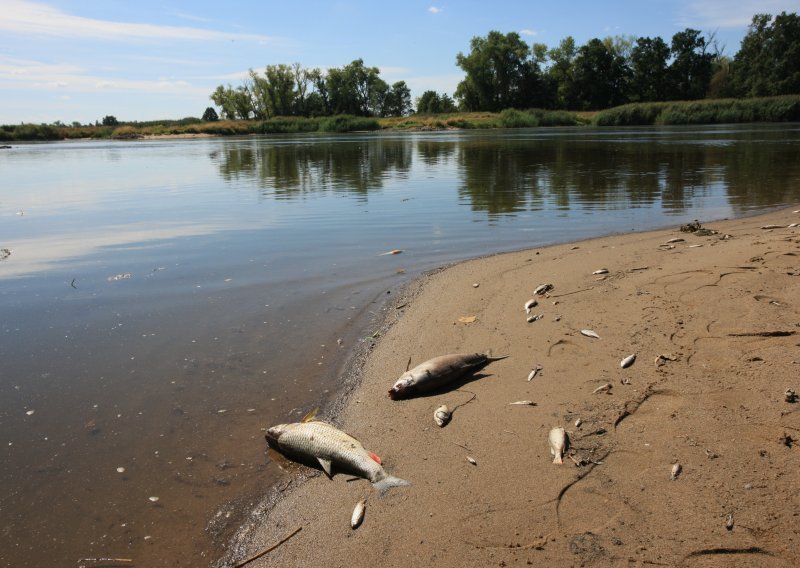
<point x="162" y="302"/>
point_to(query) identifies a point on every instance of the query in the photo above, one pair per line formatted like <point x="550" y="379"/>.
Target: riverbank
<point x="715" y="326"/>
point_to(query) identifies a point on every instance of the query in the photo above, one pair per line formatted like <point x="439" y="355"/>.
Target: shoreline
<point x="514" y="526"/>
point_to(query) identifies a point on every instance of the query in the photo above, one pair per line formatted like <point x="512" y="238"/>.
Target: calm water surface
<point x="161" y="302"/>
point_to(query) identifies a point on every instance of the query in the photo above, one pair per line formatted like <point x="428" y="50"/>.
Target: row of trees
<point x="502" y="71"/>
<point x="284" y="90"/>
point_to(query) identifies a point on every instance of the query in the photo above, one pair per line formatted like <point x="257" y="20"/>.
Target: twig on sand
<point x="460" y="446"/>
<point x="763" y="334"/>
<point x="266" y="550"/>
<point x="570" y="293"/>
<point x="82" y="563"/>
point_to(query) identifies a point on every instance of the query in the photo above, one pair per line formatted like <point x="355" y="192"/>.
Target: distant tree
<point x="560" y="72"/>
<point x="110" y="120"/>
<point x="432" y="103"/>
<point x="599" y="76"/>
<point x="499" y="73"/>
<point x="75" y="124"/>
<point x="355" y="89"/>
<point x="649" y="79"/>
<point x="768" y="61"/>
<point x="210" y="115"/>
<point x="397" y="101"/>
<point x="690" y="70"/>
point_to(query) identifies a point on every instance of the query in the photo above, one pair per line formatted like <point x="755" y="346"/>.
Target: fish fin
<point x="408" y="364"/>
<point x="375" y="458"/>
<point x="326" y="465"/>
<point x="388" y="482"/>
<point x="311" y="415"/>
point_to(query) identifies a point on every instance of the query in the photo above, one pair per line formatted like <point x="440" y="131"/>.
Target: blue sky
<point x="83" y="59"/>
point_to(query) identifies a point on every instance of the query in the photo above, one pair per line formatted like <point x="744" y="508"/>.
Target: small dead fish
<point x="523" y="403"/>
<point x="530" y="304"/>
<point x="358" y="514"/>
<point x="600" y="271"/>
<point x="675" y="240"/>
<point x="627" y="361"/>
<point x="578" y="423"/>
<point x="471" y="460"/>
<point x="395" y="251"/>
<point x="793" y="225"/>
<point x="543" y="289"/>
<point x="437" y="372"/>
<point x="729" y="521"/>
<point x="603" y="388"/>
<point x="559" y="443"/>
<point x="442" y="416"/>
<point x="330" y="447"/>
<point x="534" y="372"/>
<point x="774" y="227"/>
<point x="590" y="333"/>
<point x="676" y="471"/>
<point x="534" y="318"/>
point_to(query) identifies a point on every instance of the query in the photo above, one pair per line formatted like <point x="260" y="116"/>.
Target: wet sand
<point x="724" y="312"/>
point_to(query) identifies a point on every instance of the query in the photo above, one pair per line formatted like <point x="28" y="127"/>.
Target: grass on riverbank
<point x="716" y="111"/>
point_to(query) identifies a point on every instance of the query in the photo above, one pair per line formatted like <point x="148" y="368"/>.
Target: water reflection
<point x="511" y="172"/>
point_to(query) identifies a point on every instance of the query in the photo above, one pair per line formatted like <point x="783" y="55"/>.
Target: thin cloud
<point x="528" y="32"/>
<point x="435" y="10"/>
<point x="32" y="18"/>
<point x="730" y="13"/>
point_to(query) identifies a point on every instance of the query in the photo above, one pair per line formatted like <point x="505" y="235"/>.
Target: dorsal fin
<point x="311" y="414"/>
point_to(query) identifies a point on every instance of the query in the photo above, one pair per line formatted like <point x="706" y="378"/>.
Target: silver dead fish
<point x="590" y="333"/>
<point x="523" y="403"/>
<point x="627" y="361"/>
<point x="358" y="514"/>
<point x="534" y="372"/>
<point x="676" y="471"/>
<point x="530" y="304"/>
<point x="603" y="388"/>
<point x="600" y="271"/>
<point x="437" y="372"/>
<point x="331" y="447"/>
<point x="543" y="289"/>
<point x="559" y="443"/>
<point x="442" y="416"/>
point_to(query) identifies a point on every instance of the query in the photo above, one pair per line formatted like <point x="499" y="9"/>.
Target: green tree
<point x="649" y="77"/>
<point x="499" y="74"/>
<point x="561" y="72"/>
<point x="398" y="100"/>
<point x="110" y="120"/>
<point x="599" y="76"/>
<point x="690" y="70"/>
<point x="210" y="115"/>
<point x="355" y="89"/>
<point x="768" y="61"/>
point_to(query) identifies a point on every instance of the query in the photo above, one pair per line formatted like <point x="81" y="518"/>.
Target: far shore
<point x="713" y="319"/>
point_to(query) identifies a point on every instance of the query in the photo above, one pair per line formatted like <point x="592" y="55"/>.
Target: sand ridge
<point x="725" y="315"/>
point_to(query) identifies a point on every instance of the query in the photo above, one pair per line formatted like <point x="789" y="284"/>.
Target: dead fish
<point x="627" y="361"/>
<point x="542" y="289"/>
<point x="438" y="371"/>
<point x="530" y="304"/>
<point x="534" y="372"/>
<point x="590" y="333"/>
<point x="471" y="460"/>
<point x="793" y="225"/>
<point x="676" y="471"/>
<point x="675" y="240"/>
<point x="578" y="423"/>
<point x="600" y="271"/>
<point x="559" y="443"/>
<point x="523" y="403"/>
<point x="774" y="227"/>
<point x="729" y="521"/>
<point x="534" y="318"/>
<point x="603" y="388"/>
<point x="358" y="514"/>
<point x="331" y="447"/>
<point x="395" y="251"/>
<point x="442" y="416"/>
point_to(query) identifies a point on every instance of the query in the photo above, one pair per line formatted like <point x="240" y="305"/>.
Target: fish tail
<point x="489" y="358"/>
<point x="388" y="482"/>
<point x="557" y="459"/>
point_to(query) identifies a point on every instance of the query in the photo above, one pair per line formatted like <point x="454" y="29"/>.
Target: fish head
<point x="402" y="387"/>
<point x="274" y="434"/>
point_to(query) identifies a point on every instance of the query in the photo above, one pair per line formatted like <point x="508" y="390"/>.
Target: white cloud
<point x="712" y="14"/>
<point x="435" y="10"/>
<point x="32" y="18"/>
<point x="528" y="32"/>
<point x="439" y="83"/>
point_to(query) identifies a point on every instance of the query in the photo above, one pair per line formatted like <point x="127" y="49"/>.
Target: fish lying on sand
<point x="358" y="514"/>
<point x="559" y="443"/>
<point x="331" y="447"/>
<point x="437" y="372"/>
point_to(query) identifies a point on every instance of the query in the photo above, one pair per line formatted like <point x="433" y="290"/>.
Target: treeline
<point x="284" y="90"/>
<point x="502" y="71"/>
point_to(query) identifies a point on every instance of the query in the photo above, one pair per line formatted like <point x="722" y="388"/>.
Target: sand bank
<point x="724" y="311"/>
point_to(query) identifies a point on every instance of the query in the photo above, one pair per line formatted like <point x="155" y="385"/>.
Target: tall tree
<point x="561" y="72"/>
<point x="600" y="76"/>
<point x="499" y="73"/>
<point x="768" y="61"/>
<point x="649" y="78"/>
<point x="398" y="100"/>
<point x="690" y="70"/>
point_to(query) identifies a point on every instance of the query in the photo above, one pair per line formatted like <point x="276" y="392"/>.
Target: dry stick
<point x="570" y="293"/>
<point x="763" y="334"/>
<point x="105" y="561"/>
<point x="265" y="551"/>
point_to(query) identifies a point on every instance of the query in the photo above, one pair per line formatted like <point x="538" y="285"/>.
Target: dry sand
<point x="716" y="406"/>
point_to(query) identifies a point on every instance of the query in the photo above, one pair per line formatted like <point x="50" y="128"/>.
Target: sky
<point x="80" y="60"/>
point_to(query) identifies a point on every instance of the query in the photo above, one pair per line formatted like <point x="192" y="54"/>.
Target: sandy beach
<point x="714" y="321"/>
